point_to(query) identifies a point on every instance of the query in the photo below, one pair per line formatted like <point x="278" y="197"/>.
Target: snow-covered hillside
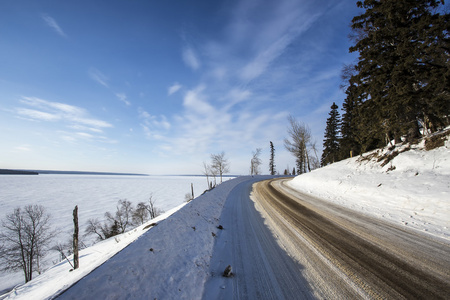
<point x="412" y="188"/>
<point x="171" y="260"/>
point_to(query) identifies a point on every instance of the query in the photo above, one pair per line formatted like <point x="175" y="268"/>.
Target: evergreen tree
<point x="402" y="75"/>
<point x="272" y="160"/>
<point x="331" y="142"/>
<point x="348" y="144"/>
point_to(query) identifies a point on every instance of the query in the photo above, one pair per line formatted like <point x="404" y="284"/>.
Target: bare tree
<point x="214" y="175"/>
<point x="152" y="209"/>
<point x="220" y="164"/>
<point x="140" y="214"/>
<point x="300" y="145"/>
<point x="95" y="227"/>
<point x="25" y="238"/>
<point x="123" y="216"/>
<point x="207" y="172"/>
<point x="60" y="247"/>
<point x="255" y="162"/>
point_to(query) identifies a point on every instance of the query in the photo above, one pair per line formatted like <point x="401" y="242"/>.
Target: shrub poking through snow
<point x="436" y="140"/>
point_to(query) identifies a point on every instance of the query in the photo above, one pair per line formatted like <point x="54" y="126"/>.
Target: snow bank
<point x="94" y="195"/>
<point x="169" y="261"/>
<point x="412" y="189"/>
<point x="61" y="276"/>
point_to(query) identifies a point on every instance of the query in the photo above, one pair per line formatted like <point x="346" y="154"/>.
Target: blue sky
<point x="157" y="86"/>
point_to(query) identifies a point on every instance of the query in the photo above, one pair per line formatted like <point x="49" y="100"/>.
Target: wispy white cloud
<point x="143" y="114"/>
<point x="206" y="125"/>
<point x="85" y="128"/>
<point x="23" y="148"/>
<point x="56" y="111"/>
<point x="174" y="88"/>
<point x="77" y="118"/>
<point x="55" y="106"/>
<point x="81" y="136"/>
<point x="154" y="127"/>
<point x="190" y="58"/>
<point x="98" y="76"/>
<point x="245" y="70"/>
<point x="236" y="95"/>
<point x="85" y="135"/>
<point x="276" y="31"/>
<point x="68" y="138"/>
<point x="195" y="101"/>
<point x="123" y="97"/>
<point x="53" y="24"/>
<point x="38" y="115"/>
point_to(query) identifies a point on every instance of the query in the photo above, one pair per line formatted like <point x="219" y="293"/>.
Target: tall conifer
<point x="348" y="143"/>
<point x="331" y="142"/>
<point x="272" y="160"/>
<point x="402" y="76"/>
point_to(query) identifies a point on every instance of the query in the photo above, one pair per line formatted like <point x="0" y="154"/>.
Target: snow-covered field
<point x="94" y="195"/>
<point x="413" y="189"/>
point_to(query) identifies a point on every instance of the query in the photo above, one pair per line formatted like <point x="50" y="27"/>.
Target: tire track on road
<point x="375" y="265"/>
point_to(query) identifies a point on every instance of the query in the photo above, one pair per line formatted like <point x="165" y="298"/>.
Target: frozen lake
<point x="94" y="195"/>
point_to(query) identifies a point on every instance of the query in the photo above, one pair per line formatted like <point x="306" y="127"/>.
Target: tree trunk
<point x="75" y="238"/>
<point x="307" y="160"/>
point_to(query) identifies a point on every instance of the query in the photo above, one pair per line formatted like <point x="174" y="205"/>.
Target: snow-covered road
<point x="346" y="254"/>
<point x="262" y="269"/>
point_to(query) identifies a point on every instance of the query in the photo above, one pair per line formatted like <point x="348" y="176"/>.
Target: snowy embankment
<point x="412" y="189"/>
<point x="167" y="261"/>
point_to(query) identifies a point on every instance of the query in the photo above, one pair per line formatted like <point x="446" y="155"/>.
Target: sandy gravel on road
<point x="347" y="255"/>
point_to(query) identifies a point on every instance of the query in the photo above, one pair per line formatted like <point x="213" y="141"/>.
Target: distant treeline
<point x="84" y="173"/>
<point x="17" y="172"/>
<point x="37" y="172"/>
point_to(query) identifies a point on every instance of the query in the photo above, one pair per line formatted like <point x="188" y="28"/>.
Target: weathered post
<point x="75" y="238"/>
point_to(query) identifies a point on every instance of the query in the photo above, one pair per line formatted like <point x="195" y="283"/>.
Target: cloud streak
<point x="204" y="125"/>
<point x="174" y="88"/>
<point x="190" y="58"/>
<point x="246" y="69"/>
<point x="123" y="97"/>
<point x="54" y="25"/>
<point x="83" y="126"/>
<point x="98" y="76"/>
<point x="56" y="111"/>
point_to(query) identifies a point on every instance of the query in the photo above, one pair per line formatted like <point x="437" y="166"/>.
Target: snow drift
<point x="403" y="184"/>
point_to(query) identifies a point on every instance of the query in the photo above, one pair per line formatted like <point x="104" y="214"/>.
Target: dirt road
<point x="344" y="254"/>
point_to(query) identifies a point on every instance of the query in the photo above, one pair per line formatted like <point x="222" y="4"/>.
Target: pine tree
<point x="402" y="76"/>
<point x="272" y="160"/>
<point x="348" y="144"/>
<point x="331" y="142"/>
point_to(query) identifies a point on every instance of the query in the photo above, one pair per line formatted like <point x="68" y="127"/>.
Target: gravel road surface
<point x="288" y="245"/>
